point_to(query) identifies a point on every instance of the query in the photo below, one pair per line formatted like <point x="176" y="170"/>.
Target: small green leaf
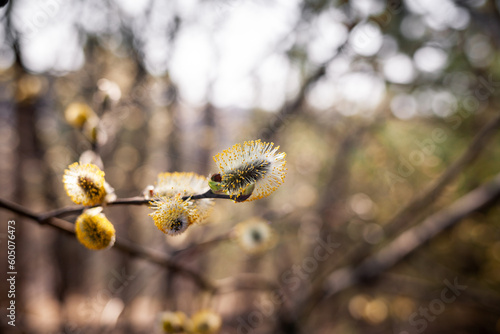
<point x="216" y="187"/>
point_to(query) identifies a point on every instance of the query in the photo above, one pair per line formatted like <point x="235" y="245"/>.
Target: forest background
<point x="388" y="113"/>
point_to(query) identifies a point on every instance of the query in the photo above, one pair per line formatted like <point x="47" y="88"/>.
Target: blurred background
<point x="388" y="113"/>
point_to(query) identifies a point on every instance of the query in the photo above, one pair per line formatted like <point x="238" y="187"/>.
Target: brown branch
<point x="19" y="209"/>
<point x="153" y="256"/>
<point x="406" y="216"/>
<point x="292" y="107"/>
<point x="245" y="281"/>
<point x="408" y="242"/>
<point x="337" y="185"/>
<point x="428" y="196"/>
<point x="332" y="206"/>
<point x="138" y="200"/>
<point x="122" y="245"/>
<point x="197" y="248"/>
<point x="78" y="209"/>
<point x="209" y="194"/>
<point x="163" y="260"/>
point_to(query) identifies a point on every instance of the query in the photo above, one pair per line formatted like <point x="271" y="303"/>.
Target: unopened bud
<point x="215" y="184"/>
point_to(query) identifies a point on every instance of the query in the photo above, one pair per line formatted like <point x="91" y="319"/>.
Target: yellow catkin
<point x="84" y="184"/>
<point x="206" y="322"/>
<point x="172" y="215"/>
<point x="94" y="230"/>
<point x="173" y="322"/>
<point x="77" y="114"/>
<point x="255" y="236"/>
<point x="251" y="162"/>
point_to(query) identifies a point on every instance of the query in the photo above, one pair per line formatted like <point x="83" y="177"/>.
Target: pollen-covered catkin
<point x="251" y="163"/>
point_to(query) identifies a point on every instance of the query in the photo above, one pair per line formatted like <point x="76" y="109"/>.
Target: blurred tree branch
<point x="407" y="215"/>
<point x="197" y="248"/>
<point x="245" y="281"/>
<point x="331" y="207"/>
<point x="414" y="238"/>
<point x="406" y="243"/>
<point x="404" y="217"/>
<point x="337" y="185"/>
<point x="292" y="107"/>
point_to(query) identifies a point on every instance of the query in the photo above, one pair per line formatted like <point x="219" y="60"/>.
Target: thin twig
<point x="163" y="260"/>
<point x="245" y="281"/>
<point x="293" y="107"/>
<point x="196" y="248"/>
<point x="138" y="200"/>
<point x="428" y="196"/>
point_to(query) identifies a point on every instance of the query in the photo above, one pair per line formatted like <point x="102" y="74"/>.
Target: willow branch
<point x="197" y="248"/>
<point x="251" y="282"/>
<point x="138" y="200"/>
<point x="122" y="245"/>
<point x="19" y="209"/>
